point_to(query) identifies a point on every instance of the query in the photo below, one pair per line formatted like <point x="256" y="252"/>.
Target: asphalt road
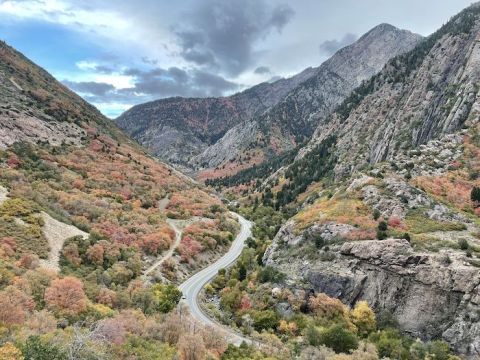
<point x="191" y="288"/>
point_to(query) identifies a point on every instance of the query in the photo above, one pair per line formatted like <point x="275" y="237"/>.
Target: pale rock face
<point x="430" y="296"/>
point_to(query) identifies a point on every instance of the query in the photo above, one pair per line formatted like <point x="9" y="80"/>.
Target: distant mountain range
<point x="220" y="136"/>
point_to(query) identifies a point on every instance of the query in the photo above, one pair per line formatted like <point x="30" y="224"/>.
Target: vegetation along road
<point x="191" y="288"/>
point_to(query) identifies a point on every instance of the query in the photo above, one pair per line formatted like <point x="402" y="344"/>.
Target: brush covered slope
<point x="83" y="213"/>
<point x="178" y="129"/>
<point x="221" y="136"/>
<point x="386" y="195"/>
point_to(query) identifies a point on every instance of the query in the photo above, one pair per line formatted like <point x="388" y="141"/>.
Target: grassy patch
<point x="28" y="238"/>
<point x="419" y="223"/>
<point x="342" y="209"/>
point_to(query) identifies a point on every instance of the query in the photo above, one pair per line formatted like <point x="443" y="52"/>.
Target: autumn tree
<point x="95" y="254"/>
<point x="191" y="347"/>
<point x="66" y="296"/>
<point x="14" y="306"/>
<point x="10" y="352"/>
<point x="364" y="318"/>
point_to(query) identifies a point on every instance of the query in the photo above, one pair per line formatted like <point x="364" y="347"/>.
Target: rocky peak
<point x="423" y="94"/>
<point x="197" y="133"/>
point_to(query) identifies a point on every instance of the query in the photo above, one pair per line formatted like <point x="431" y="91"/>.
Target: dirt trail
<point x="3" y="194"/>
<point x="56" y="232"/>
<point x="177" y="226"/>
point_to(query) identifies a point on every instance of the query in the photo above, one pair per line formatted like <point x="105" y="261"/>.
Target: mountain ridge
<point x="243" y="131"/>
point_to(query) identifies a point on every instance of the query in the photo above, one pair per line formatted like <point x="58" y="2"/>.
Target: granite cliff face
<point x="426" y="93"/>
<point x="266" y="119"/>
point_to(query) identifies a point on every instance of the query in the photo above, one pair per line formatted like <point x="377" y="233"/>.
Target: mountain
<point x="384" y="194"/>
<point x="236" y="132"/>
<point x="35" y="107"/>
<point x="177" y="129"/>
<point x="88" y="228"/>
<point x="423" y="94"/>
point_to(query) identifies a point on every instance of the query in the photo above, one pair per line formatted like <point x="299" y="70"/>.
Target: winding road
<point x="191" y="288"/>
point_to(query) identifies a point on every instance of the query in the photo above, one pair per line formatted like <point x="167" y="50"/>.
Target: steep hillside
<point x="177" y="129"/>
<point x="84" y="213"/>
<point x="386" y="195"/>
<point x="35" y="107"/>
<point x="293" y="119"/>
<point x="423" y="94"/>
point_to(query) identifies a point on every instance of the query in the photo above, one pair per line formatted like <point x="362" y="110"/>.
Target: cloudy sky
<point x="117" y="53"/>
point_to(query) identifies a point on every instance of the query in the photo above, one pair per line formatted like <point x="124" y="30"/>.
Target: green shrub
<point x="475" y="194"/>
<point x="36" y="349"/>
<point x="339" y="339"/>
<point x="265" y="320"/>
<point x="270" y="274"/>
<point x="463" y="244"/>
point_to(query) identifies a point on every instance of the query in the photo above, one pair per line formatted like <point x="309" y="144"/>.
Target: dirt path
<point x="56" y="232"/>
<point x="177" y="226"/>
<point x="162" y="204"/>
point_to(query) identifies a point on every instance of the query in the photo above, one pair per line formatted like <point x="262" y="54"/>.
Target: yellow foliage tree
<point x="10" y="352"/>
<point x="364" y="318"/>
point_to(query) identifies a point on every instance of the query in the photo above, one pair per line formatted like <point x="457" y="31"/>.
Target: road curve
<point x="191" y="288"/>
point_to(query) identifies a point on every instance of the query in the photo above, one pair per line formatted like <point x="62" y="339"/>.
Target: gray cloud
<point x="221" y="34"/>
<point x="155" y="83"/>
<point x="330" y="47"/>
<point x="261" y="70"/>
<point x="89" y="87"/>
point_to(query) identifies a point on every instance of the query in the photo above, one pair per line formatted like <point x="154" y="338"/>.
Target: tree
<point x="475" y="196"/>
<point x="66" y="296"/>
<point x="14" y="306"/>
<point x="364" y="318"/>
<point x="10" y="352"/>
<point x="168" y="296"/>
<point x="339" y="339"/>
<point x="95" y="254"/>
<point x="264" y="320"/>
<point x="35" y="349"/>
<point x="191" y="347"/>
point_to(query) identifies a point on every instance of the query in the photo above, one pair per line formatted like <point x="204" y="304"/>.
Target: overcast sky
<point x="117" y="53"/>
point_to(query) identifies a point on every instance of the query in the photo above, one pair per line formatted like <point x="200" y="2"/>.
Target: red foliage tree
<point x="66" y="296"/>
<point x="14" y="306"/>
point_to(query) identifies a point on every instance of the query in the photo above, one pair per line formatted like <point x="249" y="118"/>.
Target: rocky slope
<point x="426" y="93"/>
<point x="37" y="108"/>
<point x="266" y="119"/>
<point x="426" y="272"/>
<point x="176" y="129"/>
<point x="391" y="219"/>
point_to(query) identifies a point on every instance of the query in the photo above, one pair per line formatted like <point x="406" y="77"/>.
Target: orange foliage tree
<point x="66" y="296"/>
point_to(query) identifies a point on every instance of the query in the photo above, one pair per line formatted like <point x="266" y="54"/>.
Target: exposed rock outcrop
<point x="431" y="295"/>
<point x="422" y="95"/>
